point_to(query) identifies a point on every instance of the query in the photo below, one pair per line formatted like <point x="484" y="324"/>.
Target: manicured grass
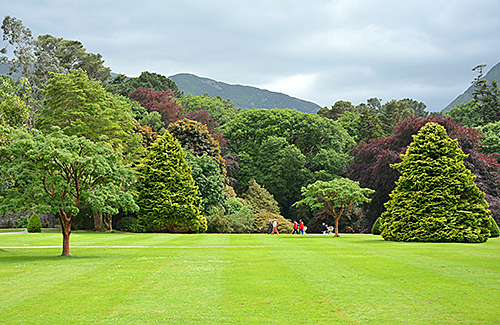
<point x="12" y="229"/>
<point x="245" y="279"/>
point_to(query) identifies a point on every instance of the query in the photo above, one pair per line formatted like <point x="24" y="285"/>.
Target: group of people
<point x="298" y="227"/>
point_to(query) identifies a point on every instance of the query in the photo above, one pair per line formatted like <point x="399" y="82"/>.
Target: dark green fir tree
<point x="435" y="199"/>
<point x="167" y="194"/>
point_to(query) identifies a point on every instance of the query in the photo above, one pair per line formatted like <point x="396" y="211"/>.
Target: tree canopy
<point x="334" y="198"/>
<point x="80" y="106"/>
<point x="62" y="174"/>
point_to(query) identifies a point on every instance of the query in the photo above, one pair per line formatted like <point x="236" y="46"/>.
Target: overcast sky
<point x="317" y="50"/>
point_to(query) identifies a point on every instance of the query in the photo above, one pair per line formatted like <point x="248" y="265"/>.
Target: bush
<point x="494" y="229"/>
<point x="128" y="224"/>
<point x="34" y="224"/>
<point x="261" y="223"/>
<point x="242" y="220"/>
<point x="376" y="227"/>
<point x="22" y="221"/>
<point x="218" y="222"/>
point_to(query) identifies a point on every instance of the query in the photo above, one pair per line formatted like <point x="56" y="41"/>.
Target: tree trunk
<point x="337" y="226"/>
<point x="98" y="225"/>
<point x="66" y="231"/>
<point x="108" y="221"/>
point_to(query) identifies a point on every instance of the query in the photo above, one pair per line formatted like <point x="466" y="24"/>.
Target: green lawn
<point x="245" y="279"/>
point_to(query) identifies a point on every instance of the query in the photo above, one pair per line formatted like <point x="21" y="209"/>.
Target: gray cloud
<point x="317" y="50"/>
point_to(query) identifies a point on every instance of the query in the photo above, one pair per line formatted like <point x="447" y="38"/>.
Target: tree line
<point x="139" y="153"/>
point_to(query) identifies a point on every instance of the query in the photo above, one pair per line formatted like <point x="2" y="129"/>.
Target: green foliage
<point x="128" y="224"/>
<point x="435" y="198"/>
<point x="218" y="221"/>
<point x="369" y="126"/>
<point x="167" y="194"/>
<point x="123" y="85"/>
<point x="222" y="111"/>
<point x="209" y="179"/>
<point x="243" y="220"/>
<point x="23" y="221"/>
<point x="334" y="198"/>
<point x="195" y="137"/>
<point x="260" y="199"/>
<point x="68" y="55"/>
<point x="283" y="150"/>
<point x="60" y="173"/>
<point x="350" y="122"/>
<point x="494" y="229"/>
<point x="464" y="113"/>
<point x="487" y="96"/>
<point x="376" y="227"/>
<point x="338" y="109"/>
<point x="81" y="107"/>
<point x="261" y="223"/>
<point x="491" y="138"/>
<point x="34" y="225"/>
<point x="14" y="110"/>
<point x="392" y="113"/>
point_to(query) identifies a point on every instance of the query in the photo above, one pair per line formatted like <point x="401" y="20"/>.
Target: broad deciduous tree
<point x="62" y="174"/>
<point x="80" y="106"/>
<point x="209" y="179"/>
<point x="334" y="198"/>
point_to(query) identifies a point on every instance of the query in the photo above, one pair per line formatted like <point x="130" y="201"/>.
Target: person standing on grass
<point x="275" y="227"/>
<point x="295" y="226"/>
<point x="270" y="226"/>
<point x="301" y="227"/>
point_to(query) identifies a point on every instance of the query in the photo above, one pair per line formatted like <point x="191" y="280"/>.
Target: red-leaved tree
<point x="371" y="162"/>
<point x="162" y="102"/>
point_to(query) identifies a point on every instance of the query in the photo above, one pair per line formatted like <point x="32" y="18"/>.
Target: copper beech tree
<point x="334" y="198"/>
<point x="61" y="174"/>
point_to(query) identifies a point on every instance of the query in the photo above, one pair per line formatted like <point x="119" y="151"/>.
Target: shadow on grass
<point x="7" y="255"/>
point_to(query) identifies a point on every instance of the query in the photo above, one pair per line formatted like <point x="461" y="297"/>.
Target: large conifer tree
<point x="167" y="197"/>
<point x="435" y="198"/>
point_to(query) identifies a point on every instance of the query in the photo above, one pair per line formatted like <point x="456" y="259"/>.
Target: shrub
<point x="261" y="223"/>
<point x="218" y="221"/>
<point x="376" y="227"/>
<point x="127" y="224"/>
<point x="34" y="224"/>
<point x="242" y="220"/>
<point x="22" y="221"/>
<point x="494" y="229"/>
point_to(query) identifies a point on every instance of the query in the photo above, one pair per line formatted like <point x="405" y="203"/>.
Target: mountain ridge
<point x="493" y="74"/>
<point x="241" y="96"/>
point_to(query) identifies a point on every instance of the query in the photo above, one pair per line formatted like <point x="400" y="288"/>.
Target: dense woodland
<point x="136" y="154"/>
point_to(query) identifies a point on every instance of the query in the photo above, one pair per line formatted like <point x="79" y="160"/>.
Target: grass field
<point x="245" y="279"/>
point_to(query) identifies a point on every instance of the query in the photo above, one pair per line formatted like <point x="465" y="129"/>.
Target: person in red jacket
<point x="301" y="227"/>
<point x="295" y="226"/>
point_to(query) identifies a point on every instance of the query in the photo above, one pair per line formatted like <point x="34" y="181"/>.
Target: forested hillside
<point x="493" y="74"/>
<point x="243" y="97"/>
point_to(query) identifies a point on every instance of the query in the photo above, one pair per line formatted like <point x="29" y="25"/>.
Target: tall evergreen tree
<point x="369" y="126"/>
<point x="435" y="198"/>
<point x="168" y="197"/>
<point x="260" y="198"/>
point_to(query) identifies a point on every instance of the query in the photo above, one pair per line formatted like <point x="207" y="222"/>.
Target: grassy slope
<point x="254" y="279"/>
